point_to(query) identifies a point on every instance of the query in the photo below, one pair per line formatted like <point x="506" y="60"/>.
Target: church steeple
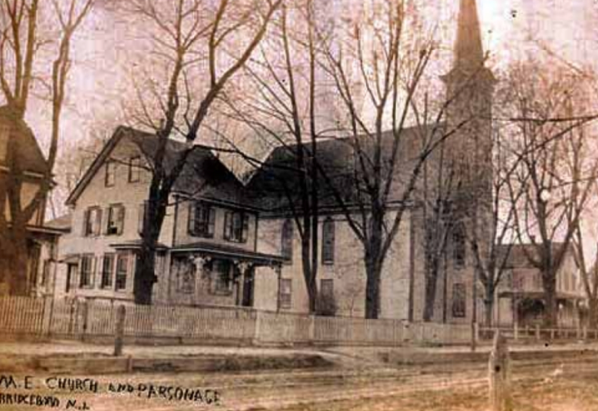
<point x="469" y="51"/>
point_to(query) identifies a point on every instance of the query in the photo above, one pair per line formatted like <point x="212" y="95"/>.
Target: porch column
<point x="278" y="270"/>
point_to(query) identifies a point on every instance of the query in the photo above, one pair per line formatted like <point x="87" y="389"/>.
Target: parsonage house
<point x="233" y="243"/>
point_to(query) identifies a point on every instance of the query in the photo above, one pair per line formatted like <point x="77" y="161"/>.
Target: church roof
<point x="518" y="254"/>
<point x="29" y="155"/>
<point x="277" y="182"/>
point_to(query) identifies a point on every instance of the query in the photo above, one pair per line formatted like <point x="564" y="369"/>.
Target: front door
<point x="248" y="278"/>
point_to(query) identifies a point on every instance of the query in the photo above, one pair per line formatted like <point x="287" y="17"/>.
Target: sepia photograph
<point x="299" y="205"/>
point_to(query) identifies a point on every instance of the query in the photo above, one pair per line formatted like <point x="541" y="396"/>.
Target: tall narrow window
<point x="222" y="275"/>
<point x="286" y="240"/>
<point x="122" y="262"/>
<point x="459" y="300"/>
<point x="86" y="274"/>
<point x="236" y="226"/>
<point x="116" y="220"/>
<point x="328" y="241"/>
<point x="286" y="292"/>
<point x="110" y="176"/>
<point x="134" y="169"/>
<point x="186" y="276"/>
<point x="107" y="270"/>
<point x="202" y="219"/>
<point x="459" y="246"/>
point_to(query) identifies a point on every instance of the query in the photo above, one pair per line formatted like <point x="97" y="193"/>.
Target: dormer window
<point x="110" y="177"/>
<point x="134" y="169"/>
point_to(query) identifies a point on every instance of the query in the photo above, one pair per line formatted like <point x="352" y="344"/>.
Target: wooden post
<point x="516" y="331"/>
<point x="474" y="336"/>
<point x="538" y="332"/>
<point x="499" y="375"/>
<point x="120" y="330"/>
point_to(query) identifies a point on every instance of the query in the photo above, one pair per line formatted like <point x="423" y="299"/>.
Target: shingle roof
<point x="29" y="155"/>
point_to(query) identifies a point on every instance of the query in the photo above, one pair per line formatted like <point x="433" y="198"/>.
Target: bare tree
<point x="555" y="175"/>
<point x="21" y="38"/>
<point x="193" y="39"/>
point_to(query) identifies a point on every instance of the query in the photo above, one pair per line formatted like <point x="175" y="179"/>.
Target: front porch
<point x="526" y="309"/>
<point x="209" y="274"/>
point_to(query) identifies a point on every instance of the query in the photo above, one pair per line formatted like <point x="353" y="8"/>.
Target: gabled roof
<point x="29" y="155"/>
<point x="204" y="174"/>
<point x="518" y="254"/>
<point x="279" y="176"/>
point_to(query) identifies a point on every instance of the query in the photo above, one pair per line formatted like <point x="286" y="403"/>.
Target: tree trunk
<point x="488" y="304"/>
<point x="145" y="266"/>
<point x="372" y="290"/>
<point x="18" y="268"/>
<point x="431" y="285"/>
<point x="550" y="303"/>
<point x="593" y="313"/>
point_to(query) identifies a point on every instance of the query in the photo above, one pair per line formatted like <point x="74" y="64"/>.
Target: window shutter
<point x="191" y="220"/>
<point x="93" y="270"/>
<point x="85" y="220"/>
<point x="141" y="216"/>
<point x="227" y="225"/>
<point x="212" y="221"/>
<point x="109" y="217"/>
<point x="121" y="220"/>
<point x="245" y="229"/>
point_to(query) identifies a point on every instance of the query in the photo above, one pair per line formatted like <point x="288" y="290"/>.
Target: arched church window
<point x="328" y="235"/>
<point x="286" y="246"/>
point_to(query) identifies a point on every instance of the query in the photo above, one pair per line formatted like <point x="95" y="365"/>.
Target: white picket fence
<point x="71" y="319"/>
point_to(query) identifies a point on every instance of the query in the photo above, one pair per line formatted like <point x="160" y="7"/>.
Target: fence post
<point x="474" y="336"/>
<point x="516" y="331"/>
<point x="256" y="330"/>
<point x="312" y="329"/>
<point x="538" y="332"/>
<point x="120" y="330"/>
<point x="499" y="375"/>
<point x="47" y="316"/>
<point x="585" y="332"/>
<point x="85" y="314"/>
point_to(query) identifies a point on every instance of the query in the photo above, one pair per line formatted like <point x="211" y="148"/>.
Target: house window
<point x="110" y="177"/>
<point x="459" y="300"/>
<point x="222" y="274"/>
<point x="116" y="220"/>
<point x="285" y="293"/>
<point x="327" y="288"/>
<point x="328" y="241"/>
<point x="459" y="246"/>
<point x="92" y="221"/>
<point x="134" y="169"/>
<point x="86" y="275"/>
<point x="286" y="240"/>
<point x="122" y="261"/>
<point x="236" y="226"/>
<point x="202" y="219"/>
<point x="107" y="270"/>
<point x="186" y="277"/>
